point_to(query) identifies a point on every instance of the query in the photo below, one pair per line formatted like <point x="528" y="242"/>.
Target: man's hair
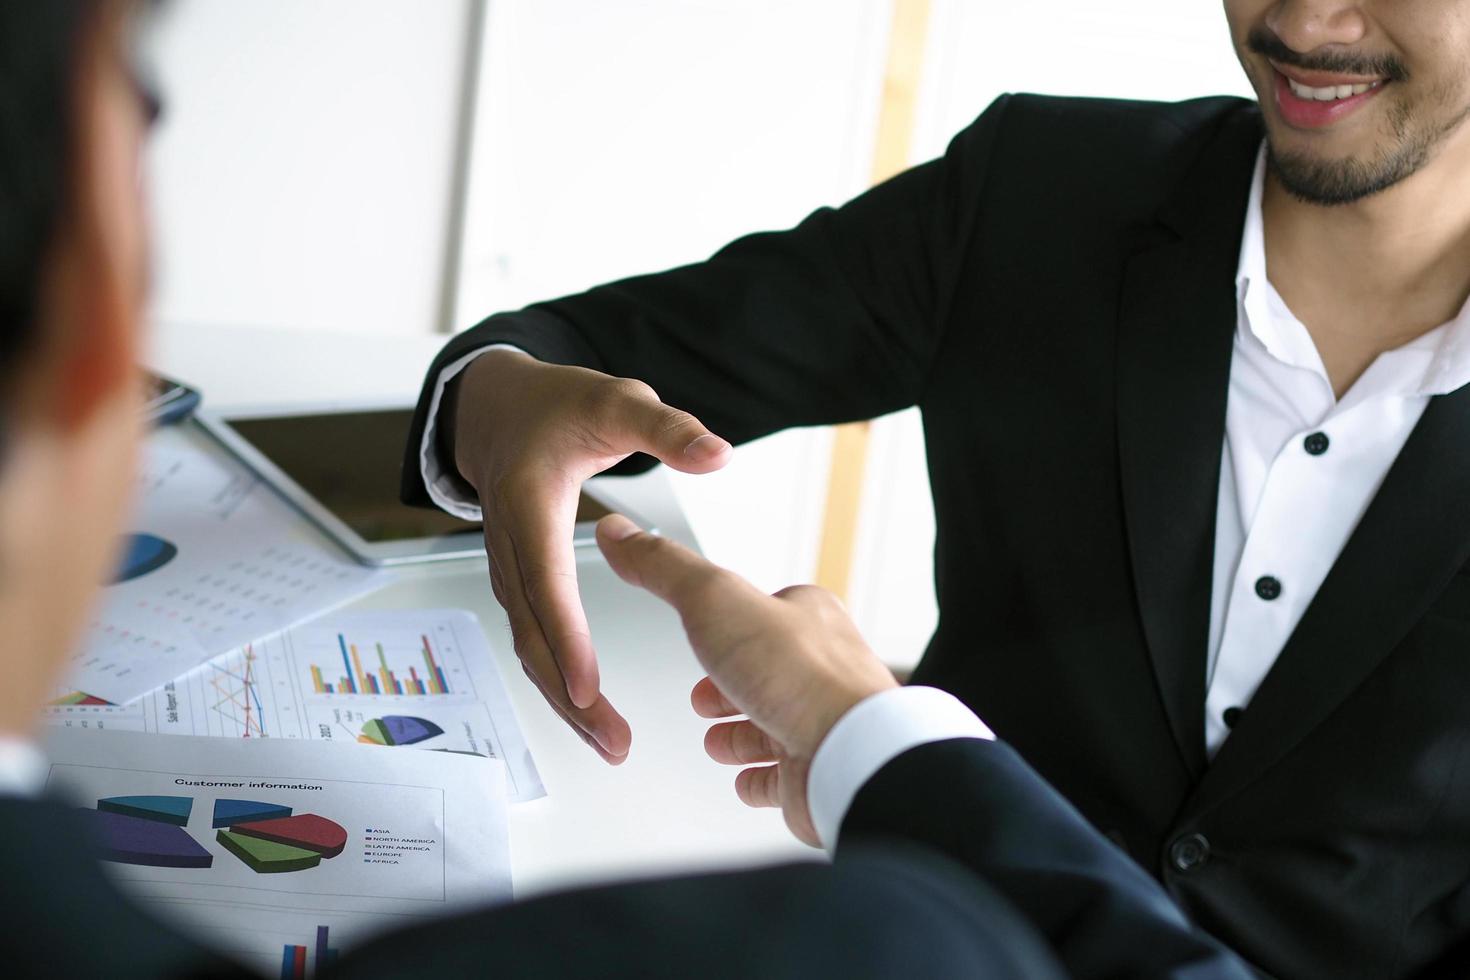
<point x="38" y="45"/>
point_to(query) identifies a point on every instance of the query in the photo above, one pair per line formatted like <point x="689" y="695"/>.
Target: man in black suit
<point x="907" y="895"/>
<point x="1202" y="530"/>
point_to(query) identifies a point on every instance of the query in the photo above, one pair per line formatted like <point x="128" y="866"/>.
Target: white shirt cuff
<point x="446" y="488"/>
<point x="872" y="734"/>
<point x="23" y="768"/>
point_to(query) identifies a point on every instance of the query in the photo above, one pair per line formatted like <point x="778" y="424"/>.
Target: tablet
<point x="341" y="469"/>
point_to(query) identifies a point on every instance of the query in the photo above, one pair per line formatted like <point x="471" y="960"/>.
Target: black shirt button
<point x="1189" y="852"/>
<point x="1268" y="588"/>
<point x="1230" y="716"/>
<point x="1316" y="444"/>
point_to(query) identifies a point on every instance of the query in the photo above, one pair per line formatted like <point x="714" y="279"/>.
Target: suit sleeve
<point x="978" y="803"/>
<point x="834" y="320"/>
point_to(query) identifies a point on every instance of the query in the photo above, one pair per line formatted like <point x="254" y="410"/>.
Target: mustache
<point x="1264" y="42"/>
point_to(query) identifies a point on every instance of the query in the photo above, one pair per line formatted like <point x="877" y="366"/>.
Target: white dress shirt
<point x="873" y="733"/>
<point x="446" y="487"/>
<point x="22" y="767"/>
<point x="1299" y="468"/>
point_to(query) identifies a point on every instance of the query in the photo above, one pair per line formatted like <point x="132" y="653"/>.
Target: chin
<point x="1335" y="181"/>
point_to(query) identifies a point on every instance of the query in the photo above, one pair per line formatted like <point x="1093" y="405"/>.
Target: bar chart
<point x="383" y="680"/>
<point x="293" y="956"/>
<point x="423" y="678"/>
<point x="382" y="660"/>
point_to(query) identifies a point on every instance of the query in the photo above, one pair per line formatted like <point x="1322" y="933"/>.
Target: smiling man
<point x="1193" y="379"/>
<point x="903" y="897"/>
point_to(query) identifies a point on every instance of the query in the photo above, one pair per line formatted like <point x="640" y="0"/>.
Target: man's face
<point x="1356" y="96"/>
<point x="69" y="471"/>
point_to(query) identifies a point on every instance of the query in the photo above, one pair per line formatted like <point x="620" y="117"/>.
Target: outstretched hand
<point x="526" y="436"/>
<point x="793" y="663"/>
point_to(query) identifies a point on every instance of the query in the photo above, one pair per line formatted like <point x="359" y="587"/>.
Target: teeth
<point x="1330" y="93"/>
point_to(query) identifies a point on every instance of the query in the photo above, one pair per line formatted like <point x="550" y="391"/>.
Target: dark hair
<point x="38" y="44"/>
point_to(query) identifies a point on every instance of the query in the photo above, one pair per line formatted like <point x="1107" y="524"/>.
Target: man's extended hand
<point x="526" y="436"/>
<point x="793" y="663"/>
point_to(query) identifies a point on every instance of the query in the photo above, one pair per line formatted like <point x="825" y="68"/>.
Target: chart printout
<point x="280" y="854"/>
<point x="215" y="560"/>
<point x="417" y="678"/>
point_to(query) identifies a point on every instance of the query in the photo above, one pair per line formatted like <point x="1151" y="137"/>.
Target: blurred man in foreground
<point x="906" y="896"/>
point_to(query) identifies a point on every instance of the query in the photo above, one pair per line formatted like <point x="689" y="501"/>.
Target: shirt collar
<point x="1264" y="316"/>
<point x="1434" y="363"/>
<point x="23" y="768"/>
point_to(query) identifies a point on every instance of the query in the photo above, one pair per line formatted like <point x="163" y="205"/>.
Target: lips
<point x="1314" y="100"/>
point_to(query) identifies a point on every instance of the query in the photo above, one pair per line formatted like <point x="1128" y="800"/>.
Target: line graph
<point x="232" y="684"/>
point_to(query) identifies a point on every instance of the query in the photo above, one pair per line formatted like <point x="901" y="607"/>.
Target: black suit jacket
<point x="954" y="860"/>
<point x="901" y="910"/>
<point x="1057" y="296"/>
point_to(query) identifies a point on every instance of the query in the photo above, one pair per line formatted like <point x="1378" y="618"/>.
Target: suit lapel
<point x="1411" y="541"/>
<point x="1176" y="330"/>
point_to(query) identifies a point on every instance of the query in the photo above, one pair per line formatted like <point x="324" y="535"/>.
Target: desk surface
<point x="668" y="807"/>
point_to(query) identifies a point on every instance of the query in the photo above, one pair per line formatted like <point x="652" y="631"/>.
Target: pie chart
<point x="398" y="730"/>
<point x="146" y="830"/>
<point x="268" y="838"/>
<point x="165" y="809"/>
<point x="143" y="553"/>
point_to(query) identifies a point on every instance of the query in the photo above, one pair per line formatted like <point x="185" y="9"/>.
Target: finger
<point x="738" y="743"/>
<point x="759" y="786"/>
<point x="530" y="642"/>
<point x="710" y="702"/>
<point x="538" y="527"/>
<point x="599" y="720"/>
<point x="497" y="580"/>
<point x="634" y="420"/>
<point x="601" y="717"/>
<point x="669" y="570"/>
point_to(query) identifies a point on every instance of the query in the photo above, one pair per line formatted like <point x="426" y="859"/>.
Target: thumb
<point x="652" y="562"/>
<point x="642" y="423"/>
<point x="698" y="589"/>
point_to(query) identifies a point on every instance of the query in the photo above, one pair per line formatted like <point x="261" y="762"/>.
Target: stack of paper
<point x="218" y="560"/>
<point x="423" y="678"/>
<point x="281" y="853"/>
<point x="266" y="843"/>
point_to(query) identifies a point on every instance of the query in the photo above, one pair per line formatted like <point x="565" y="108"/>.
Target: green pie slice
<point x="266" y="857"/>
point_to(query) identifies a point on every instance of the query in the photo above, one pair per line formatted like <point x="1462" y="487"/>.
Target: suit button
<point x="1316" y="444"/>
<point x="1230" y="716"/>
<point x="1268" y="587"/>
<point x="1189" y="852"/>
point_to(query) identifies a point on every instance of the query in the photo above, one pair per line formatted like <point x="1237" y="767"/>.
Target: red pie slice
<point x="303" y="830"/>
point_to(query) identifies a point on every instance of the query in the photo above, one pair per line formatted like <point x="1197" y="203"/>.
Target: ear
<point x="96" y="282"/>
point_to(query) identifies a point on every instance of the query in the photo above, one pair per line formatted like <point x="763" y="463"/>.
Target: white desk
<point x="668" y="807"/>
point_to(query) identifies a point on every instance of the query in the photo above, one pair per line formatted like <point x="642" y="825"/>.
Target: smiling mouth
<point x="1312" y="100"/>
<point x="1330" y="93"/>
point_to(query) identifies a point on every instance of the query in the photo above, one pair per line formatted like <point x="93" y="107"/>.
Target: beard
<point x="1336" y="182"/>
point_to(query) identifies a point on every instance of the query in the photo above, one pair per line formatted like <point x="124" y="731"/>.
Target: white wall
<point x="1141" y="49"/>
<point x="301" y="174"/>
<point x="615" y="138"/>
<point x="304" y="179"/>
